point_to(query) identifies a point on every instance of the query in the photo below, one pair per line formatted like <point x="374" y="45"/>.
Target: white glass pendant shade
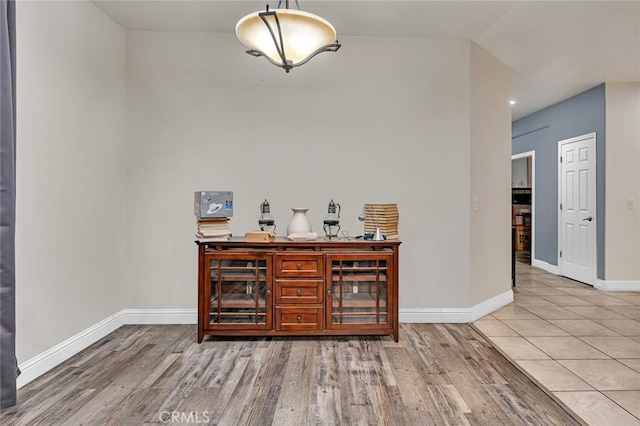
<point x="303" y="35"/>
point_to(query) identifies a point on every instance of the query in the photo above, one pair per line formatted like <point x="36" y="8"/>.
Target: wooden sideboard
<point x="297" y="288"/>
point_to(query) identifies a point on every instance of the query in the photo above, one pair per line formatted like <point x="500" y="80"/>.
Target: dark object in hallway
<point x="513" y="256"/>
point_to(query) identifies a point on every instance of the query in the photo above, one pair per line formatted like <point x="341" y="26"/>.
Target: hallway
<point x="582" y="345"/>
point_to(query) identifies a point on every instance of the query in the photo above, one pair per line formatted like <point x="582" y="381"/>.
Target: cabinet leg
<point x="396" y="334"/>
<point x="201" y="335"/>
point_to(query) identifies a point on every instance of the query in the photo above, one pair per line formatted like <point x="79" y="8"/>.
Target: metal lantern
<point x="266" y="221"/>
<point x="331" y="223"/>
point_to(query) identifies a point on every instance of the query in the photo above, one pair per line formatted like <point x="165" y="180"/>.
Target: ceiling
<point x="555" y="49"/>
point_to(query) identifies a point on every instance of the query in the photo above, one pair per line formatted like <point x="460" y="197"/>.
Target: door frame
<point x="592" y="280"/>
<point x="532" y="235"/>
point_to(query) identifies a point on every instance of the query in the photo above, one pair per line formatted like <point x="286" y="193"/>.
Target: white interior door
<point x="577" y="218"/>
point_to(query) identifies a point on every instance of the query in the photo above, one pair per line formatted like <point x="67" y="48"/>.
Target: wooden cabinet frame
<point x="295" y="288"/>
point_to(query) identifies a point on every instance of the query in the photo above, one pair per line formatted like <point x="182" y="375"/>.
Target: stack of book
<point x="213" y="229"/>
<point x="383" y="216"/>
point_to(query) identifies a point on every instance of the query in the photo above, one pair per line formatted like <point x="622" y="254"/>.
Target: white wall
<point x="71" y="89"/>
<point x="622" y="237"/>
<point x="382" y="120"/>
<point x="490" y="200"/>
<point x="519" y="173"/>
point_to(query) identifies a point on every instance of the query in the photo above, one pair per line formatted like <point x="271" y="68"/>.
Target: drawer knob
<point x="328" y="291"/>
<point x="299" y="318"/>
<point x="299" y="266"/>
<point x="268" y="292"/>
<point x="299" y="292"/>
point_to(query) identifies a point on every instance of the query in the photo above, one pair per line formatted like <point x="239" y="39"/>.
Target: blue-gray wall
<point x="541" y="132"/>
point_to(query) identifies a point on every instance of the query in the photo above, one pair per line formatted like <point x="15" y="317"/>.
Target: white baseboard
<point x="552" y="269"/>
<point x="456" y="315"/>
<point x="40" y="364"/>
<point x="491" y="305"/>
<point x="604" y="285"/>
<point x="612" y="285"/>
<point x="160" y="316"/>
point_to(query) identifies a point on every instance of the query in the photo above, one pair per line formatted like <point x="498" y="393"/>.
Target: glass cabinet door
<point x="359" y="293"/>
<point x="239" y="291"/>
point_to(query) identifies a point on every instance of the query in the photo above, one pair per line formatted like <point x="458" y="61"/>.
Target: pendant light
<point x="286" y="37"/>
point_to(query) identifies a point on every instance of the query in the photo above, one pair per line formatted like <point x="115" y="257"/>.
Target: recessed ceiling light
<point x="512" y="102"/>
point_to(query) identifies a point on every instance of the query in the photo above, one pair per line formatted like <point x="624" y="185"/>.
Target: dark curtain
<point x="8" y="364"/>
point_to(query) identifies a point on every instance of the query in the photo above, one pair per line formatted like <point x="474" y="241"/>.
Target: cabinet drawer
<point x="299" y="265"/>
<point x="299" y="291"/>
<point x="299" y="318"/>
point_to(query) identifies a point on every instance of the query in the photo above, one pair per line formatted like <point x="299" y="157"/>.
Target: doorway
<point x="577" y="255"/>
<point x="523" y="205"/>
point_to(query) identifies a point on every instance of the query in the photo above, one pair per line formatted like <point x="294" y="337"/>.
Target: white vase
<point x="299" y="222"/>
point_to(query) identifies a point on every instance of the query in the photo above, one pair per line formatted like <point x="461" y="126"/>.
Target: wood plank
<point x="269" y="382"/>
<point x="293" y="403"/>
<point x="247" y="391"/>
<point x="99" y="407"/>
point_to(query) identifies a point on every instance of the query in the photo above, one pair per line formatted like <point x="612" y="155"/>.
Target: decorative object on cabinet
<point x="331" y="223"/>
<point x="213" y="229"/>
<point x="295" y="288"/>
<point x="259" y="236"/>
<point x="266" y="221"/>
<point x="213" y="210"/>
<point x="287" y="37"/>
<point x="213" y="204"/>
<point x="380" y="221"/>
<point x="299" y="223"/>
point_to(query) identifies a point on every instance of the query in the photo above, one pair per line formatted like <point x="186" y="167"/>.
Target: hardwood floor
<point x="436" y="374"/>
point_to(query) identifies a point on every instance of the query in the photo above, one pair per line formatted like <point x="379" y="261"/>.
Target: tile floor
<point x="580" y="344"/>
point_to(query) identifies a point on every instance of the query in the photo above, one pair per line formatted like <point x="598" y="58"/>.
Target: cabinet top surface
<point x="282" y="242"/>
